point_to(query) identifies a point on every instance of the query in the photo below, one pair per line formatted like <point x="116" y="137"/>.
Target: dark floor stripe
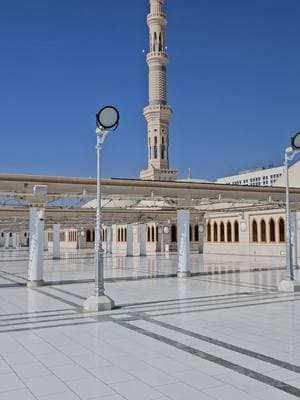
<point x="224" y="308"/>
<point x="42" y="321"/>
<point x="239" y="284"/>
<point x="46" y="327"/>
<point x="67" y="292"/>
<point x="208" y="303"/>
<point x="34" y="318"/>
<point x="259" y="285"/>
<point x="187" y="299"/>
<point x="60" y="299"/>
<point x="216" y="360"/>
<point x="237" y="349"/>
<point x="36" y="312"/>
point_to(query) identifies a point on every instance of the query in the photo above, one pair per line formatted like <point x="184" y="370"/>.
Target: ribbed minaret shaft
<point x="158" y="112"/>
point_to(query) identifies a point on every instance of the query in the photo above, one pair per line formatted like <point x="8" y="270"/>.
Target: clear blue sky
<point x="234" y="84"/>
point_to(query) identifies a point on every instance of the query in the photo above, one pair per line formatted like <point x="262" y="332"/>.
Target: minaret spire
<point x="158" y="112"/>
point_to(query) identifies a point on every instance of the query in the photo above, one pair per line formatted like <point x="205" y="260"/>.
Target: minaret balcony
<point x="157" y="56"/>
<point x="160" y="19"/>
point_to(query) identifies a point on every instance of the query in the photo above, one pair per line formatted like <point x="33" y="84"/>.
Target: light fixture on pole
<point x="107" y="119"/>
<point x="289" y="284"/>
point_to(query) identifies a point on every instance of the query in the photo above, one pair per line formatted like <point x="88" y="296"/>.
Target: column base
<point x="289" y="286"/>
<point x="183" y="274"/>
<point x="98" y="303"/>
<point x="33" y="284"/>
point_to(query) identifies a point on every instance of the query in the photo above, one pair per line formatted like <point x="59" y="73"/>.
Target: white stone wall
<point x="246" y="245"/>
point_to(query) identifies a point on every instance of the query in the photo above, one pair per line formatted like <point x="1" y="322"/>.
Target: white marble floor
<point x="211" y="336"/>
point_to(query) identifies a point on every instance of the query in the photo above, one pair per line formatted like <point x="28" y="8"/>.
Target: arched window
<point x="263" y="232"/>
<point x="281" y="226"/>
<point x="156" y="233"/>
<point x="254" y="231"/>
<point x="162" y="140"/>
<point x="122" y="235"/>
<point x="162" y="150"/>
<point x="155" y="152"/>
<point x="149" y="234"/>
<point x="93" y="239"/>
<point x="196" y="233"/>
<point x="160" y="43"/>
<point x="155" y="140"/>
<point x="222" y="232"/>
<point x="215" y="232"/>
<point x="25" y="234"/>
<point x="173" y="233"/>
<point x="152" y="234"/>
<point x="229" y="232"/>
<point x="119" y="236"/>
<point x="208" y="232"/>
<point x="88" y="235"/>
<point x="10" y="234"/>
<point x="191" y="234"/>
<point x="272" y="230"/>
<point x="236" y="232"/>
<point x="125" y="234"/>
<point x="155" y="42"/>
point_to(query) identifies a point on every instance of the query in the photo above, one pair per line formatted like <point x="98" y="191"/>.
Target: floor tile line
<point x="41" y="321"/>
<point x="224" y="308"/>
<point x="46" y="327"/>
<point x="189" y="300"/>
<point x="217" y="342"/>
<point x="208" y="303"/>
<point x="216" y="360"/>
<point x="36" y="317"/>
<point x="37" y="312"/>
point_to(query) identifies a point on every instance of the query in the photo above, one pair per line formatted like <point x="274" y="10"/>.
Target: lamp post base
<point x="98" y="303"/>
<point x="183" y="274"/>
<point x="289" y="286"/>
<point x="33" y="284"/>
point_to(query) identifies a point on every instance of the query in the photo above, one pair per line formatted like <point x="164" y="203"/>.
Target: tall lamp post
<point x="107" y="119"/>
<point x="289" y="284"/>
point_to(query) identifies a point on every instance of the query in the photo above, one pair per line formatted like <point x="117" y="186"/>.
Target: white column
<point x="143" y="239"/>
<point x="108" y="240"/>
<point x="14" y="240"/>
<point x="201" y="233"/>
<point x="130" y="240"/>
<point x="183" y="226"/>
<point x="17" y="240"/>
<point x="56" y="241"/>
<point x="114" y="238"/>
<point x="36" y="256"/>
<point x="46" y="240"/>
<point x="6" y="240"/>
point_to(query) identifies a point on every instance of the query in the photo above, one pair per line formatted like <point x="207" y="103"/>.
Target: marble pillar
<point x="36" y="256"/>
<point x="56" y="241"/>
<point x="183" y="227"/>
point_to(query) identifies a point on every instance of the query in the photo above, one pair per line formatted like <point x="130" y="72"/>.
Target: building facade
<point x="256" y="177"/>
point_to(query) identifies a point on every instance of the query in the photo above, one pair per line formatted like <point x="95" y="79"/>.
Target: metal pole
<point x="99" y="284"/>
<point x="289" y="261"/>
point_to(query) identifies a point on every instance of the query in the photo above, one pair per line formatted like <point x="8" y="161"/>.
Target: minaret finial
<point x="158" y="113"/>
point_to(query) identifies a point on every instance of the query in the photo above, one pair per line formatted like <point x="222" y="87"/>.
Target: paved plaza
<point x="224" y="333"/>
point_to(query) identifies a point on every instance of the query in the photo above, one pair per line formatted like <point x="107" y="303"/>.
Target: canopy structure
<point x="71" y="201"/>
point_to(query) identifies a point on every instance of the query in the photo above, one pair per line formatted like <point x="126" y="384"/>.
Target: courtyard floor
<point x="225" y="333"/>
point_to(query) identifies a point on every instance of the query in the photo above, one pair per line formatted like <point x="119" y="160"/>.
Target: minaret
<point x="158" y="112"/>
